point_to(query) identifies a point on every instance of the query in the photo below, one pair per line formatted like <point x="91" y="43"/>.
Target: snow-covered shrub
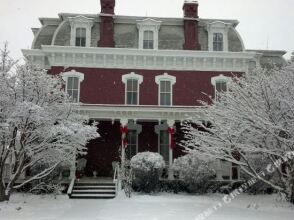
<point x="195" y="172"/>
<point x="146" y="167"/>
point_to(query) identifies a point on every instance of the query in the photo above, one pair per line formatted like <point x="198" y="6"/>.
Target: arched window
<point x="165" y="84"/>
<point x="72" y="81"/>
<point x="220" y="84"/>
<point x="132" y="83"/>
<point x="132" y="92"/>
<point x="72" y="88"/>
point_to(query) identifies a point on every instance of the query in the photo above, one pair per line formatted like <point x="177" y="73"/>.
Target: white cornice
<point x="177" y="113"/>
<point x="121" y="58"/>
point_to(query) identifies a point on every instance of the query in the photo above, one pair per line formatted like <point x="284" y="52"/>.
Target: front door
<point x="103" y="150"/>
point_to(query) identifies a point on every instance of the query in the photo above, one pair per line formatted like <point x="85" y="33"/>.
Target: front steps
<point x="93" y="190"/>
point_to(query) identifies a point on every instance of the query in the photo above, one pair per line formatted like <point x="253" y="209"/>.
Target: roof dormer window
<point x="218" y="36"/>
<point x="80" y="31"/>
<point x="148" y="33"/>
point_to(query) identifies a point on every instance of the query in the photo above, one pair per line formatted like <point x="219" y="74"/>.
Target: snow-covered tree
<point x="38" y="124"/>
<point x="254" y="118"/>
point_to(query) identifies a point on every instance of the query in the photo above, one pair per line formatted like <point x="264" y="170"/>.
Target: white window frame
<point x="152" y="40"/>
<point x="165" y="77"/>
<point x="73" y="73"/>
<point x="80" y="37"/>
<point x="218" y="42"/>
<point x="220" y="78"/>
<point x="135" y="76"/>
<point x="148" y="24"/>
<point x="80" y="22"/>
<point x="218" y="27"/>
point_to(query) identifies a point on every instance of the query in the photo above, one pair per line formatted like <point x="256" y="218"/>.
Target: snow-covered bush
<point x="147" y="167"/>
<point x="195" y="172"/>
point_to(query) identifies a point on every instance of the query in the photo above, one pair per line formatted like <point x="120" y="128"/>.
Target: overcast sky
<point x="264" y="24"/>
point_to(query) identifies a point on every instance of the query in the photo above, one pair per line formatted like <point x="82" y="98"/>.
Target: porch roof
<point x="139" y="112"/>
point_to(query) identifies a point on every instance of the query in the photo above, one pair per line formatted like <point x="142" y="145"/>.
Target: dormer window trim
<point x="80" y="76"/>
<point x="151" y="25"/>
<point x="218" y="27"/>
<point x="132" y="76"/>
<point x="168" y="78"/>
<point x="80" y="22"/>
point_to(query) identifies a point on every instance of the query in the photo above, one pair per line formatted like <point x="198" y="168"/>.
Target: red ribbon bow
<point x="171" y="132"/>
<point x="124" y="131"/>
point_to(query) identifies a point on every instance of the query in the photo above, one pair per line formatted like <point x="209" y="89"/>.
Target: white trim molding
<point x="80" y="22"/>
<point x="165" y="77"/>
<point x="221" y="78"/>
<point x="125" y="58"/>
<point x="148" y="24"/>
<point x="73" y="73"/>
<point x="132" y="75"/>
<point x="218" y="27"/>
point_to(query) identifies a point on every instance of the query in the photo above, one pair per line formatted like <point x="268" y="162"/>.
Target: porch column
<point x="124" y="131"/>
<point x="171" y="131"/>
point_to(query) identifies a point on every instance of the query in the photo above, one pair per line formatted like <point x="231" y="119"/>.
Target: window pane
<point x="148" y="40"/>
<point x="218" y="42"/>
<point x="148" y="35"/>
<point x="69" y="83"/>
<point x="162" y="86"/>
<point x="132" y="98"/>
<point x="75" y="83"/>
<point x="75" y="96"/>
<point x="81" y="37"/>
<point x="132" y="85"/>
<point x="165" y="99"/>
<point x="221" y="86"/>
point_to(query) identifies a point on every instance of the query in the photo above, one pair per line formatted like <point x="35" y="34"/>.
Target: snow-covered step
<point x="94" y="184"/>
<point x="93" y="190"/>
<point x="92" y="196"/>
<point x="95" y="187"/>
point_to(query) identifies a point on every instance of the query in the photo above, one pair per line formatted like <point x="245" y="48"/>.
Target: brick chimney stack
<point x="107" y="24"/>
<point x="190" y="9"/>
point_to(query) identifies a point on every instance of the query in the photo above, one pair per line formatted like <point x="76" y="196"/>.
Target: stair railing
<point x="71" y="185"/>
<point x="116" y="178"/>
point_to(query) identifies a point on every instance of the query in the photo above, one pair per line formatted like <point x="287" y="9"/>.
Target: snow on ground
<point x="144" y="207"/>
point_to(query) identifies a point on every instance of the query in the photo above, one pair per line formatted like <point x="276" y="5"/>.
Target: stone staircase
<point x="92" y="190"/>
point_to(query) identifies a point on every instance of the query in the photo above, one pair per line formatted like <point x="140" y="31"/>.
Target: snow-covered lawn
<point x="143" y="207"/>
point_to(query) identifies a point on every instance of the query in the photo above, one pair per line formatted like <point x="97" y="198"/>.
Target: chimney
<point x="107" y="24"/>
<point x="190" y="9"/>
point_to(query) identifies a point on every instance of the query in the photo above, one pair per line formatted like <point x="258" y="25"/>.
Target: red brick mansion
<point x="142" y="76"/>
